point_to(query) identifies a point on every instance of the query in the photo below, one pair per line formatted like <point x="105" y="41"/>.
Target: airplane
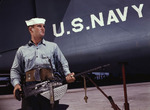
<point x="89" y="33"/>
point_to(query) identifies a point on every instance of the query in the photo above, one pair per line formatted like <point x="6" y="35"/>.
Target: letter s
<point x="76" y="23"/>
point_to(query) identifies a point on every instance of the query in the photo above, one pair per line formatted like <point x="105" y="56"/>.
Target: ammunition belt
<point x="39" y="74"/>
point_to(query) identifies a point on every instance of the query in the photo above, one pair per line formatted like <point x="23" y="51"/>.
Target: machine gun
<point x="57" y="88"/>
<point x="58" y="83"/>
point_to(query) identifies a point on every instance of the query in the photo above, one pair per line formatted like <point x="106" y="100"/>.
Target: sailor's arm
<point x="15" y="72"/>
<point x="69" y="76"/>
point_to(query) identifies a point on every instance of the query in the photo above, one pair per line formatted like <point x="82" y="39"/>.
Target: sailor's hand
<point x="70" y="78"/>
<point x="16" y="92"/>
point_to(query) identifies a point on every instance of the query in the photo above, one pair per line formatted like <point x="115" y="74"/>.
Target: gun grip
<point x="18" y="94"/>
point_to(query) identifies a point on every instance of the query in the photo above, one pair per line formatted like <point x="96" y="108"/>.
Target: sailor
<point x="32" y="61"/>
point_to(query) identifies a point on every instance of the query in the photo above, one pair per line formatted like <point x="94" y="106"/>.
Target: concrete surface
<point x="138" y="98"/>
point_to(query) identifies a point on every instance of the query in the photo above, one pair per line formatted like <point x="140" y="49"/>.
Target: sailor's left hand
<point x="70" y="78"/>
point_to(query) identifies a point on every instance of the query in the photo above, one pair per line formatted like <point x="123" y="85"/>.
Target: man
<point x="34" y="55"/>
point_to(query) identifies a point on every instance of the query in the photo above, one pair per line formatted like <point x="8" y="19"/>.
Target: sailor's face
<point x="38" y="30"/>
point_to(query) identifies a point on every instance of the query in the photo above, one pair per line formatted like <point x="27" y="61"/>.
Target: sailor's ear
<point x="30" y="29"/>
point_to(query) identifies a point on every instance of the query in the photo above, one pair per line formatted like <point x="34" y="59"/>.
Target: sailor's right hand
<point x="16" y="91"/>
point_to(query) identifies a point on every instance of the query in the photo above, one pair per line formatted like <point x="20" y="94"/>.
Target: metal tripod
<point x="114" y="106"/>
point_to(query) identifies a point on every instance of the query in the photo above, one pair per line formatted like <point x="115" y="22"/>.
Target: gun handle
<point x="18" y="94"/>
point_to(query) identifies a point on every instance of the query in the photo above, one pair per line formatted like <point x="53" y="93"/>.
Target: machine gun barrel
<point x="91" y="70"/>
<point x="86" y="72"/>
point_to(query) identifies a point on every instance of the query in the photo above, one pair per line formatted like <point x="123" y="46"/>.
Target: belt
<point x="39" y="74"/>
